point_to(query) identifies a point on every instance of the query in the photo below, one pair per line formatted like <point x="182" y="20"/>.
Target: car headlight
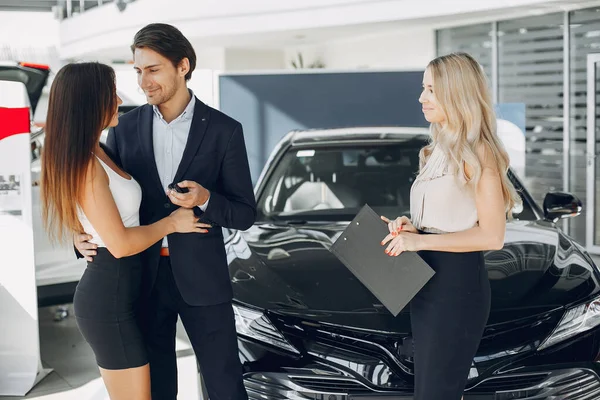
<point x="254" y="324"/>
<point x="576" y="320"/>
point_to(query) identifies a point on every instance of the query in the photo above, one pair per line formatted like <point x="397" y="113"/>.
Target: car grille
<point x="574" y="384"/>
<point x="582" y="386"/>
<point x="331" y="385"/>
<point x="276" y="386"/>
<point x="501" y="383"/>
<point x="262" y="387"/>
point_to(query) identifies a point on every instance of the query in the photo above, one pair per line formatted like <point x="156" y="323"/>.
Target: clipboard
<point x="394" y="281"/>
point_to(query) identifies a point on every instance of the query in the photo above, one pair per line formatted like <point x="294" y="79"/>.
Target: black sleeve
<point x="111" y="147"/>
<point x="233" y="205"/>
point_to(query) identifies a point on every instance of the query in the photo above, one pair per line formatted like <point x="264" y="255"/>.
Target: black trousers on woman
<point x="448" y="317"/>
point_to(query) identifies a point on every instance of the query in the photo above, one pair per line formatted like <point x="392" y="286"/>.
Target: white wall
<point x="209" y="57"/>
<point x="29" y="36"/>
<point x="105" y="28"/>
<point x="401" y="50"/>
<point x="28" y="29"/>
<point x="245" y="59"/>
<point x="230" y="59"/>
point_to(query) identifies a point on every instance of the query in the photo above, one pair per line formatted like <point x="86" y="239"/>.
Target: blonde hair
<point x="462" y="90"/>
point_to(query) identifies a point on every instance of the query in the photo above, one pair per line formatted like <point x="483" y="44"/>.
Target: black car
<point x="308" y="329"/>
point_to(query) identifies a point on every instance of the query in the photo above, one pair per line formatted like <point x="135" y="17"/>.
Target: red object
<point x="36" y="66"/>
<point x="13" y="121"/>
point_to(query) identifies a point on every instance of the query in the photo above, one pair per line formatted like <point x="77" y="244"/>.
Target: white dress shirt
<point x="169" y="140"/>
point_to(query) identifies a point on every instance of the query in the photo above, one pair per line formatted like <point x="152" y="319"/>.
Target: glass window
<point x="584" y="39"/>
<point x="473" y="39"/>
<point x="530" y="71"/>
<point x="333" y="183"/>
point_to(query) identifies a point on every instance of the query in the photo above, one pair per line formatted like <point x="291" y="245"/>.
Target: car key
<point x="175" y="187"/>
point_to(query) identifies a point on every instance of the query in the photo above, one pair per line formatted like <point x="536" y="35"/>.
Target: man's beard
<point x="163" y="97"/>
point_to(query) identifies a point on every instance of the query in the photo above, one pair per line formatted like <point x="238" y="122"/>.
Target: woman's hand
<point x="400" y="224"/>
<point x="401" y="241"/>
<point x="184" y="221"/>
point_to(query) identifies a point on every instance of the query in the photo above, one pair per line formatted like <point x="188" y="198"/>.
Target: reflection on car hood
<point x="289" y="270"/>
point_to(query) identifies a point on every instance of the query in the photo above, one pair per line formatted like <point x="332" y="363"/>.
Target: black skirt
<point x="448" y="317"/>
<point x="105" y="304"/>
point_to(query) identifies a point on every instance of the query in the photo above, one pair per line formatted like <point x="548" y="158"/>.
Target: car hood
<point x="289" y="270"/>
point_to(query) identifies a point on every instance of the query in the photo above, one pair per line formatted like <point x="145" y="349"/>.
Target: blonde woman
<point x="459" y="204"/>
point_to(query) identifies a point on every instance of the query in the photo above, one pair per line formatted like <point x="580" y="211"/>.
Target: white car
<point x="57" y="269"/>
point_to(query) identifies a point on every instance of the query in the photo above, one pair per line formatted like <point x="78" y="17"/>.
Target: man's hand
<point x="196" y="196"/>
<point x="87" y="249"/>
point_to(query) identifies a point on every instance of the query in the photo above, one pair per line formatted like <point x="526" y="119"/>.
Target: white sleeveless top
<point x="439" y="200"/>
<point x="127" y="194"/>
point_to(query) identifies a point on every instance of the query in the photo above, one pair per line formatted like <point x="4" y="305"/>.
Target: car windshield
<point x="332" y="183"/>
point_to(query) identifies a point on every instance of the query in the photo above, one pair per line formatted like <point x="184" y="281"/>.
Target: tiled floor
<point x="75" y="375"/>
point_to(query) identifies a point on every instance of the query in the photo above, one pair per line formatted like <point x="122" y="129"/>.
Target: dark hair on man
<point x="83" y="100"/>
<point x="167" y="41"/>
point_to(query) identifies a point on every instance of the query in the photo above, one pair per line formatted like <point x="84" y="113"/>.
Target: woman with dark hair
<point x="83" y="190"/>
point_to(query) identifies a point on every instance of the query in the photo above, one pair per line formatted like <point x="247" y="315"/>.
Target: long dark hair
<point x="168" y="41"/>
<point x="82" y="101"/>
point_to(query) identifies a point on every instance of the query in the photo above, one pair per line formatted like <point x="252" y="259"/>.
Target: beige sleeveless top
<point x="439" y="200"/>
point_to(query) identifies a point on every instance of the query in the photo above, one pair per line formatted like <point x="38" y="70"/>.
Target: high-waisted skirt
<point x="448" y="317"/>
<point x="105" y="304"/>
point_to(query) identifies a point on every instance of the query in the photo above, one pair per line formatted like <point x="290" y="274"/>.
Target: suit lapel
<point x="147" y="143"/>
<point x="197" y="132"/>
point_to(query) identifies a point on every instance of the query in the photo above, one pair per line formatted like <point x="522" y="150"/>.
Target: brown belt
<point x="164" y="251"/>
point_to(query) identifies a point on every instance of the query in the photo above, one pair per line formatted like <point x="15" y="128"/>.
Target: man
<point x="176" y="138"/>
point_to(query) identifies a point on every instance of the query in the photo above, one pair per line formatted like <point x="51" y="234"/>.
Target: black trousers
<point x="448" y="317"/>
<point x="211" y="330"/>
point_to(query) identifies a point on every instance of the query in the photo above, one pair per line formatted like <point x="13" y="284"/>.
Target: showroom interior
<point x="326" y="69"/>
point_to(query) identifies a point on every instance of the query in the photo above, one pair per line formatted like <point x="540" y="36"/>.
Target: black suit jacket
<point x="215" y="157"/>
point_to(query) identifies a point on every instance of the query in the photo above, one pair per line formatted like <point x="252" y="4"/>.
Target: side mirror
<point x="559" y="205"/>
